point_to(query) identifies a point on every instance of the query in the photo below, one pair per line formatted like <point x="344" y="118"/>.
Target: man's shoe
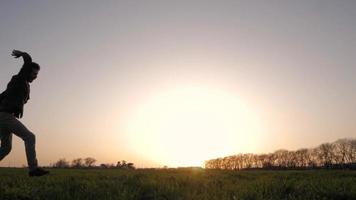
<point x="38" y="172"/>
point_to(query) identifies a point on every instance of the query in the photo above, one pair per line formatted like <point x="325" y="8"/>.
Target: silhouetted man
<point x="12" y="101"/>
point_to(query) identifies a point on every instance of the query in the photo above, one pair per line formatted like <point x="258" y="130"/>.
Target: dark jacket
<point x="17" y="92"/>
<point x="15" y="96"/>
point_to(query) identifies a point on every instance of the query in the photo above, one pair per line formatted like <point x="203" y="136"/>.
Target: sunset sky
<point x="179" y="82"/>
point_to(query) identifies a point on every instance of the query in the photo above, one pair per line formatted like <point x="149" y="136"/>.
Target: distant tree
<point x="124" y="165"/>
<point x="121" y="164"/>
<point x="340" y="150"/>
<point x="301" y="157"/>
<point x="326" y="154"/>
<point x="263" y="161"/>
<point x="61" y="163"/>
<point x="89" y="161"/>
<point x="281" y="158"/>
<point x="77" y="163"/>
<point x="291" y="159"/>
<point x="352" y="151"/>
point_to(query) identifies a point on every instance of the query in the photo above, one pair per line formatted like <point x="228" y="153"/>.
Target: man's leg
<point x="6" y="143"/>
<point x="16" y="127"/>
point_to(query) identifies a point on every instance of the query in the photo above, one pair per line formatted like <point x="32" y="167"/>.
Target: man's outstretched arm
<point x="26" y="57"/>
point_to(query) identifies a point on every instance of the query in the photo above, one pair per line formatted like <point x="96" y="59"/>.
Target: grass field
<point x="148" y="184"/>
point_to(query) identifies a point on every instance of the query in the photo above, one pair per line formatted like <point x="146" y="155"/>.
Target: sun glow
<point x="186" y="126"/>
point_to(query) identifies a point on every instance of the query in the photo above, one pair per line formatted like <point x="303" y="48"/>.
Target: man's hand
<point x="19" y="113"/>
<point x="26" y="57"/>
<point x="17" y="53"/>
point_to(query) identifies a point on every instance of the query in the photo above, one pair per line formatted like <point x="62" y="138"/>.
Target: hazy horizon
<point x="178" y="82"/>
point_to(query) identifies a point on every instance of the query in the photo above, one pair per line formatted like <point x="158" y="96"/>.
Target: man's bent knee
<point x="30" y="137"/>
<point x="4" y="151"/>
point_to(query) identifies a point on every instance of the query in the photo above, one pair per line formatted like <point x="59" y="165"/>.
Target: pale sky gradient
<point x="277" y="74"/>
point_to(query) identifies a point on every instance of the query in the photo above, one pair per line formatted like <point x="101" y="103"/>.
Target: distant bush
<point x="124" y="165"/>
<point x="61" y="163"/>
<point x="89" y="162"/>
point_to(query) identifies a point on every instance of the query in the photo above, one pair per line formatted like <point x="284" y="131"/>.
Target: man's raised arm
<point x="26" y="57"/>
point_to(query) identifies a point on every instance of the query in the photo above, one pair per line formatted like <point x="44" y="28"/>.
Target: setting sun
<point x="185" y="126"/>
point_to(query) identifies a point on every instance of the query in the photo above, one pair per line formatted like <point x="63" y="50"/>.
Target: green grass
<point x="178" y="184"/>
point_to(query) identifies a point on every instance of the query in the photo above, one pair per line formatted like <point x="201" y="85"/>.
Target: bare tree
<point x="281" y="158"/>
<point x="302" y="157"/>
<point x="77" y="163"/>
<point x="291" y="159"/>
<point x="326" y="154"/>
<point x="89" y="161"/>
<point x="352" y="152"/>
<point x="342" y="146"/>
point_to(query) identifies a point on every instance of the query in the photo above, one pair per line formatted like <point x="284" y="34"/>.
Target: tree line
<point x="340" y="154"/>
<point x="89" y="162"/>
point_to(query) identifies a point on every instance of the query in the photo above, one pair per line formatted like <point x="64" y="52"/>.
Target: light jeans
<point x="10" y="125"/>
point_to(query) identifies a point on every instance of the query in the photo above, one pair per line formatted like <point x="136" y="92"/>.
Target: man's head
<point x="33" y="74"/>
<point x="30" y="71"/>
